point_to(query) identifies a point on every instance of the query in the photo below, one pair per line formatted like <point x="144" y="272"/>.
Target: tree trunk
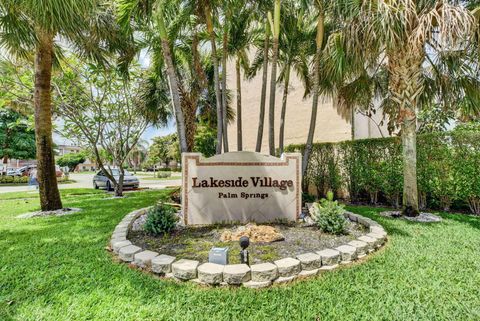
<point x="239" y="106"/>
<point x="284" y="110"/>
<point x="189" y="112"/>
<point x="173" y="82"/>
<point x="409" y="154"/>
<point x="271" y="111"/>
<point x="118" y="187"/>
<point x="46" y="176"/>
<point x="261" y="117"/>
<point x="405" y="86"/>
<point x="216" y="78"/>
<point x="224" y="88"/>
<point x="316" y="80"/>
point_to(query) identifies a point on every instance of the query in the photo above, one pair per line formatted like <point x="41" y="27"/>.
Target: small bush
<point x="328" y="215"/>
<point x="161" y="219"/>
<point x="164" y="174"/>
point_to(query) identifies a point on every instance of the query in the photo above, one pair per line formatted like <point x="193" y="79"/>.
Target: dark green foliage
<point x="448" y="169"/>
<point x="328" y="215"/>
<point x="161" y="219"/>
<point x="17" y="139"/>
<point x="205" y="140"/>
<point x="71" y="160"/>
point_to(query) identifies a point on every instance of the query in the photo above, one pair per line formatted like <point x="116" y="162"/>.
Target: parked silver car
<point x="100" y="180"/>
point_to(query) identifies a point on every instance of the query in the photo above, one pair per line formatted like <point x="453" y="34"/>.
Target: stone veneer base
<point x="305" y="265"/>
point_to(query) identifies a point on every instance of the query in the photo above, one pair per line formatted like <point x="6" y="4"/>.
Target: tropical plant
<point x="329" y="215"/>
<point x="275" y="27"/>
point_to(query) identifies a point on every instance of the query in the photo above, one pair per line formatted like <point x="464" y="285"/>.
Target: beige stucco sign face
<point x="240" y="187"/>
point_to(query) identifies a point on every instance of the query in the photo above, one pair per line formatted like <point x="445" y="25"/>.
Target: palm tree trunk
<point x="409" y="154"/>
<point x="405" y="84"/>
<point x="49" y="194"/>
<point x="224" y="88"/>
<point x="173" y="82"/>
<point x="316" y="80"/>
<point x="271" y="110"/>
<point x="261" y="118"/>
<point x="216" y="77"/>
<point x="239" y="106"/>
<point x="284" y="110"/>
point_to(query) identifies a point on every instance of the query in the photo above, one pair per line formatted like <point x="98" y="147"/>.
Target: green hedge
<point x="13" y="179"/>
<point x="448" y="169"/>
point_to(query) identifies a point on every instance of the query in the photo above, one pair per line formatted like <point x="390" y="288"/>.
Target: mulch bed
<point x="422" y="218"/>
<point x="195" y="242"/>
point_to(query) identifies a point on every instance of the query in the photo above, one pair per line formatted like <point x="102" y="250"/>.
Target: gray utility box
<point x="218" y="255"/>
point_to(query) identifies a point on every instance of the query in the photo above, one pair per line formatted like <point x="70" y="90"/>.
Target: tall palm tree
<point x="218" y="96"/>
<point x="294" y="51"/>
<point x="240" y="38"/>
<point x="30" y="28"/>
<point x="275" y="22"/>
<point x="319" y="40"/>
<point x="406" y="34"/>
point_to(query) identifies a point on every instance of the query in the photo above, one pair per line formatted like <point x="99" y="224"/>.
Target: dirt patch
<point x="60" y="212"/>
<point x="195" y="242"/>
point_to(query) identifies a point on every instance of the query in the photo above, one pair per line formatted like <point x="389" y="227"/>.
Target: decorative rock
<point x="380" y="238"/>
<point x="236" y="274"/>
<point x="351" y="216"/>
<point x="329" y="257"/>
<point x="127" y="253"/>
<point x="257" y="285"/>
<point x="348" y="253"/>
<point x="116" y="240"/>
<point x="310" y="261"/>
<point x="162" y="264"/>
<point x="144" y="259"/>
<point x="210" y="273"/>
<point x="119" y="235"/>
<point x="362" y="247"/>
<point x="118" y="245"/>
<point x="264" y="272"/>
<point x="307" y="273"/>
<point x="284" y="279"/>
<point x="185" y="269"/>
<point x="378" y="230"/>
<point x="370" y="241"/>
<point x="328" y="267"/>
<point x="256" y="233"/>
<point x="288" y="267"/>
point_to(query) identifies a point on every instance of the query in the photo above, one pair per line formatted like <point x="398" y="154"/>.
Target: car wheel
<point x="95" y="186"/>
<point x="109" y="187"/>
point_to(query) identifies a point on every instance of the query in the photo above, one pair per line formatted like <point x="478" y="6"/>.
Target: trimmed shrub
<point x="328" y="215"/>
<point x="161" y="219"/>
<point x="164" y="174"/>
<point x="371" y="170"/>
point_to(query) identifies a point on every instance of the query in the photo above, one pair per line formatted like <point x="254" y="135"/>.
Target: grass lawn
<point x="57" y="269"/>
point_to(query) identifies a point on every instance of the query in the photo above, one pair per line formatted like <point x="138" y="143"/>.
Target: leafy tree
<point x="100" y="109"/>
<point x="71" y="160"/>
<point x="29" y="28"/>
<point x="164" y="149"/>
<point x="205" y="140"/>
<point x="17" y="139"/>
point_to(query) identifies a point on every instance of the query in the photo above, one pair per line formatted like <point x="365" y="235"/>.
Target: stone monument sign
<point x="240" y="187"/>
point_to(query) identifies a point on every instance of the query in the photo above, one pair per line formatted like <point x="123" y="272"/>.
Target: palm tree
<point x="275" y="22"/>
<point x="28" y="27"/>
<point x="294" y="50"/>
<point x="138" y="154"/>
<point x="405" y="35"/>
<point x="316" y="80"/>
<point x="218" y="96"/>
<point x="240" y="37"/>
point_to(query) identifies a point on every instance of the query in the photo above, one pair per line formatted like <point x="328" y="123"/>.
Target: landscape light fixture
<point x="244" y="243"/>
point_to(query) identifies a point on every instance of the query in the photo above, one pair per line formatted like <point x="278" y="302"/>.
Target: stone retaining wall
<point x="254" y="276"/>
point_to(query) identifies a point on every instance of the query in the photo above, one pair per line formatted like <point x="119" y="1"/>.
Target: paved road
<point x="85" y="181"/>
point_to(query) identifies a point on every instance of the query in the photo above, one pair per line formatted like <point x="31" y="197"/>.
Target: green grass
<point x="57" y="269"/>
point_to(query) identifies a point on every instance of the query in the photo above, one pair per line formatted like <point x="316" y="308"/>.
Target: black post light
<point x="244" y="243"/>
